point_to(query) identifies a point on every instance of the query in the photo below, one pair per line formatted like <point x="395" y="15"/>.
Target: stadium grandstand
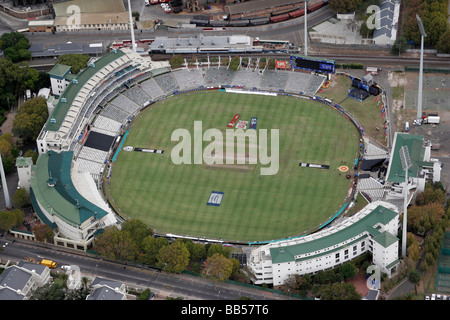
<point x="90" y="117"/>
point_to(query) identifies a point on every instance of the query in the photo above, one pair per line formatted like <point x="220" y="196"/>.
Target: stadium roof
<point x="59" y="113"/>
<point x="62" y="199"/>
<point x="366" y="224"/>
<point x="416" y="149"/>
<point x="64" y="9"/>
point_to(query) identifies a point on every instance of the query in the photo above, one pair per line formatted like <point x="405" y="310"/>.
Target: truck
<point x="49" y="263"/>
<point x="432" y="119"/>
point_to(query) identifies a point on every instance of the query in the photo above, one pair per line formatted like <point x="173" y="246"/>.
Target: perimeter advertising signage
<point x="313" y="64"/>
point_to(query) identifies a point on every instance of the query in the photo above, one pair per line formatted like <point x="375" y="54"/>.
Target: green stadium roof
<point x="366" y="224"/>
<point x="416" y="150"/>
<point x="60" y="70"/>
<point x="61" y="109"/>
<point x="62" y="200"/>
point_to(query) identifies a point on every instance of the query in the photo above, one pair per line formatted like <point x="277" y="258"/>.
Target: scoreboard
<point x="308" y="63"/>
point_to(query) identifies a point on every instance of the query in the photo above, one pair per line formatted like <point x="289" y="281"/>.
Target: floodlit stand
<point x="306" y="30"/>
<point x="133" y="41"/>
<point x="406" y="164"/>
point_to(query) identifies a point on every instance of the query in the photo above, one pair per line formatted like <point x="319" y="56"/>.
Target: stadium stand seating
<point x="137" y="95"/>
<point x="152" y="89"/>
<point x="189" y="79"/>
<point x="219" y="77"/>
<point x="274" y="80"/>
<point x="167" y="82"/>
<point x="247" y="79"/>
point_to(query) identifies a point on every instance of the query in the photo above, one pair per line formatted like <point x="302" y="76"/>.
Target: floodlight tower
<point x="419" y="98"/>
<point x="305" y="51"/>
<point x="406" y="164"/>
<point x="4" y="185"/>
<point x="133" y="44"/>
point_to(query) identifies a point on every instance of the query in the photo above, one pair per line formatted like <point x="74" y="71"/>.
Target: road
<point x="161" y="283"/>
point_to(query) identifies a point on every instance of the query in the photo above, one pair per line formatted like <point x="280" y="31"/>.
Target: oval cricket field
<point x="235" y="201"/>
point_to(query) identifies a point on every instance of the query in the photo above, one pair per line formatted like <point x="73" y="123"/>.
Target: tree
<point x="176" y="62"/>
<point x="218" y="248"/>
<point x="150" y="248"/>
<point x="9" y="219"/>
<point x="432" y="193"/>
<point x="76" y="61"/>
<point x="348" y="270"/>
<point x="400" y="45"/>
<point x="137" y="229"/>
<point x="30" y="119"/>
<point x="414" y="278"/>
<point x="339" y="291"/>
<point x="116" y="244"/>
<point x="344" y="6"/>
<point x="31" y="154"/>
<point x="443" y="45"/>
<point x="49" y="291"/>
<point x="21" y="198"/>
<point x="43" y="232"/>
<point x="15" y="46"/>
<point x="218" y="267"/>
<point x="174" y="258"/>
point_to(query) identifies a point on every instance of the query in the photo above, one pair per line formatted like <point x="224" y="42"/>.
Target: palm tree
<point x="85" y="281"/>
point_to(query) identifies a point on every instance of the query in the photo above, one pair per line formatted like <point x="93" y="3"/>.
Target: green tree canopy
<point x="174" y="258"/>
<point x="15" y="46"/>
<point x="30" y="119"/>
<point x="116" y="244"/>
<point x="77" y="61"/>
<point x="344" y="6"/>
<point x="218" y="267"/>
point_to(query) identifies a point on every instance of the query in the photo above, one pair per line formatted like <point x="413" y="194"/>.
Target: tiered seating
<point x="136" y="94"/>
<point x="189" y="79"/>
<point x="125" y="104"/>
<point x="152" y="88"/>
<point x="218" y="77"/>
<point x="247" y="79"/>
<point x="167" y="82"/>
<point x="92" y="167"/>
<point x="298" y="82"/>
<point x="93" y="155"/>
<point x="115" y="113"/>
<point x="274" y="80"/>
<point x="314" y="85"/>
<point x="371" y="187"/>
<point x="106" y="126"/>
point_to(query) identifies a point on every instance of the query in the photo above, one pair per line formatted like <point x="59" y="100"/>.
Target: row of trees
<point x="434" y="17"/>
<point x="15" y="46"/>
<point x="136" y="242"/>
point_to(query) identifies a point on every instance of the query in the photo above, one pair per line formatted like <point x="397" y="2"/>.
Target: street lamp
<point x="419" y="98"/>
<point x="406" y="164"/>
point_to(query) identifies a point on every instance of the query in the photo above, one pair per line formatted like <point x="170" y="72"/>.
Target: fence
<point x="443" y="272"/>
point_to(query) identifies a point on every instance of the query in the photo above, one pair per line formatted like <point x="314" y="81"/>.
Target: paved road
<point x="161" y="283"/>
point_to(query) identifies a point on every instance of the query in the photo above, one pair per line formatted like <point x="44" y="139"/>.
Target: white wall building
<point x="373" y="230"/>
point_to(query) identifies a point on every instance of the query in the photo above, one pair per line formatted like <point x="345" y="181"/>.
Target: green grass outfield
<point x="172" y="198"/>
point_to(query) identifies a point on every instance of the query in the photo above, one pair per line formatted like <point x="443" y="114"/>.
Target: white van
<point x="406" y="126"/>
